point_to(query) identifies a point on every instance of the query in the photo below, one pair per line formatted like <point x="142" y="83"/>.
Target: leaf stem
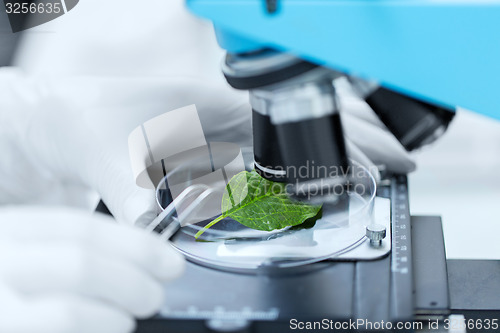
<point x="199" y="233"/>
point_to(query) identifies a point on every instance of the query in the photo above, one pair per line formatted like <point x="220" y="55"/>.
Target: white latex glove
<point x="66" y="271"/>
<point x="75" y="132"/>
<point x="368" y="140"/>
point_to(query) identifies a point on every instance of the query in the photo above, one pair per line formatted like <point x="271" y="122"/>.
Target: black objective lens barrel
<point x="298" y="136"/>
<point x="414" y="123"/>
<point x="268" y="161"/>
<point x="298" y="131"/>
<point x="313" y="149"/>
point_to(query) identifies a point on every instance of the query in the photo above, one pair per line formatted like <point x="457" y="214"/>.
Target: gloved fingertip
<point x="141" y="220"/>
<point x="411" y="166"/>
<point x="138" y="209"/>
<point x="402" y="166"/>
<point x="117" y="322"/>
<point x="152" y="303"/>
<point x="125" y="324"/>
<point x="359" y="157"/>
<point x="172" y="264"/>
<point x="375" y="173"/>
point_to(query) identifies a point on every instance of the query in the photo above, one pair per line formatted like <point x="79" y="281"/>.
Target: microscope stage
<point x="338" y="289"/>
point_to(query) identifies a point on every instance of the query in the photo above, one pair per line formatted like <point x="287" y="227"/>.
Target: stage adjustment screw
<point x="375" y="232"/>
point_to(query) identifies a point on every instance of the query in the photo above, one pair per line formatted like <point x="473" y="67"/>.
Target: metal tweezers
<point x="168" y="216"/>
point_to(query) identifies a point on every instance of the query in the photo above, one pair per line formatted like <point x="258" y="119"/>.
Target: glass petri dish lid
<point x="232" y="246"/>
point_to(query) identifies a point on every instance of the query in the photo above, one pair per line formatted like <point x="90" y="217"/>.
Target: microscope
<point x="296" y="118"/>
<point x="413" y="62"/>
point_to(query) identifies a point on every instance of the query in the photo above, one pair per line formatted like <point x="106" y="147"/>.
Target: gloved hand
<point x="63" y="136"/>
<point x="368" y="140"/>
<point x="76" y="130"/>
<point x="65" y="271"/>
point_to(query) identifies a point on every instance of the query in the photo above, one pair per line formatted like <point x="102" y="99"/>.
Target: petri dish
<point x="231" y="246"/>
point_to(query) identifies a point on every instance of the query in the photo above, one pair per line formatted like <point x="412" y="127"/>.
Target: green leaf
<point x="261" y="204"/>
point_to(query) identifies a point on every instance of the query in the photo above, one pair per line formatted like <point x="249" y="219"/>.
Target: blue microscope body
<point x="443" y="52"/>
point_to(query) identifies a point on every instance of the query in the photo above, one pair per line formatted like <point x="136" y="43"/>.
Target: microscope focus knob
<point x="375" y="233"/>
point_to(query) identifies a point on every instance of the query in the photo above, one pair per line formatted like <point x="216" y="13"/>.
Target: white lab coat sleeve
<point x="24" y="178"/>
<point x="124" y="38"/>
